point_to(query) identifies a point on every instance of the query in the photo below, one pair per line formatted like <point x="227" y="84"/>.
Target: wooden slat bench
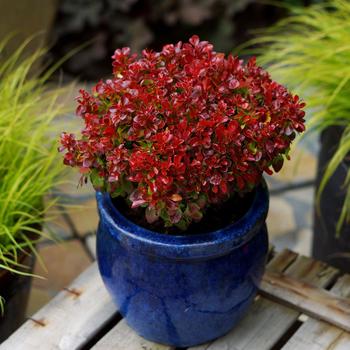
<point x="303" y="305"/>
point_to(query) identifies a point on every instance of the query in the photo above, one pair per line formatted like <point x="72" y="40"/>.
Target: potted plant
<point x="316" y="65"/>
<point x="175" y="143"/>
<point x="28" y="171"/>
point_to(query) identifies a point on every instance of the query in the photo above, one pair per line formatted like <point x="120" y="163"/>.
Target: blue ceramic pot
<point x="182" y="290"/>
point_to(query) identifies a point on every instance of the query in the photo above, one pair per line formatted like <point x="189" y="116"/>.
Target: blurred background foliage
<point x="109" y="24"/>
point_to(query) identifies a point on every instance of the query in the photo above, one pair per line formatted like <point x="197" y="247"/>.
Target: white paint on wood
<point x="69" y="320"/>
<point x="122" y="337"/>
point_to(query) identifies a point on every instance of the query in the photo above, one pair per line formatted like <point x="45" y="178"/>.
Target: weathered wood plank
<point x="253" y="332"/>
<point x="77" y="313"/>
<point x="282" y="261"/>
<point x="267" y="321"/>
<point x="341" y="343"/>
<point x="318" y="335"/>
<point x="313" y="301"/>
<point x="122" y="337"/>
<point x="69" y="320"/>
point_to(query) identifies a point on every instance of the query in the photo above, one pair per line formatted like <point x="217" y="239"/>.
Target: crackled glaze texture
<point x="182" y="290"/>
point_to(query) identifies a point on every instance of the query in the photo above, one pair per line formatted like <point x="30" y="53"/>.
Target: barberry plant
<point x="179" y="130"/>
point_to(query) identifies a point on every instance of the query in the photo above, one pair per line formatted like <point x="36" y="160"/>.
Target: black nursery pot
<point x="15" y="290"/>
<point x="326" y="245"/>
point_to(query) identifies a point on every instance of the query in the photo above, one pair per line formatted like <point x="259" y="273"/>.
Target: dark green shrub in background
<point x="146" y="23"/>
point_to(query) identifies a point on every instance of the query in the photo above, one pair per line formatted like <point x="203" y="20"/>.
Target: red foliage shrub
<point x="178" y="130"/>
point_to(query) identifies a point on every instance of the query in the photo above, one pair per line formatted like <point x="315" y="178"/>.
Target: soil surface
<point x="216" y="217"/>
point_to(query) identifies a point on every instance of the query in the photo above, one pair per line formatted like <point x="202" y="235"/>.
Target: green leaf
<point x="97" y="181"/>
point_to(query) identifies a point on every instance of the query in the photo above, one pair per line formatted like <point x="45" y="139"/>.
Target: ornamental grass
<point x="29" y="166"/>
<point x="310" y="52"/>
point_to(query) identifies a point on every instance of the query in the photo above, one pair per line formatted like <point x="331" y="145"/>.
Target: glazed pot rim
<point x="205" y="245"/>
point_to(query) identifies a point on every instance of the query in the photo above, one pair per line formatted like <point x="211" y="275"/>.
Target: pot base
<point x="15" y="290"/>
